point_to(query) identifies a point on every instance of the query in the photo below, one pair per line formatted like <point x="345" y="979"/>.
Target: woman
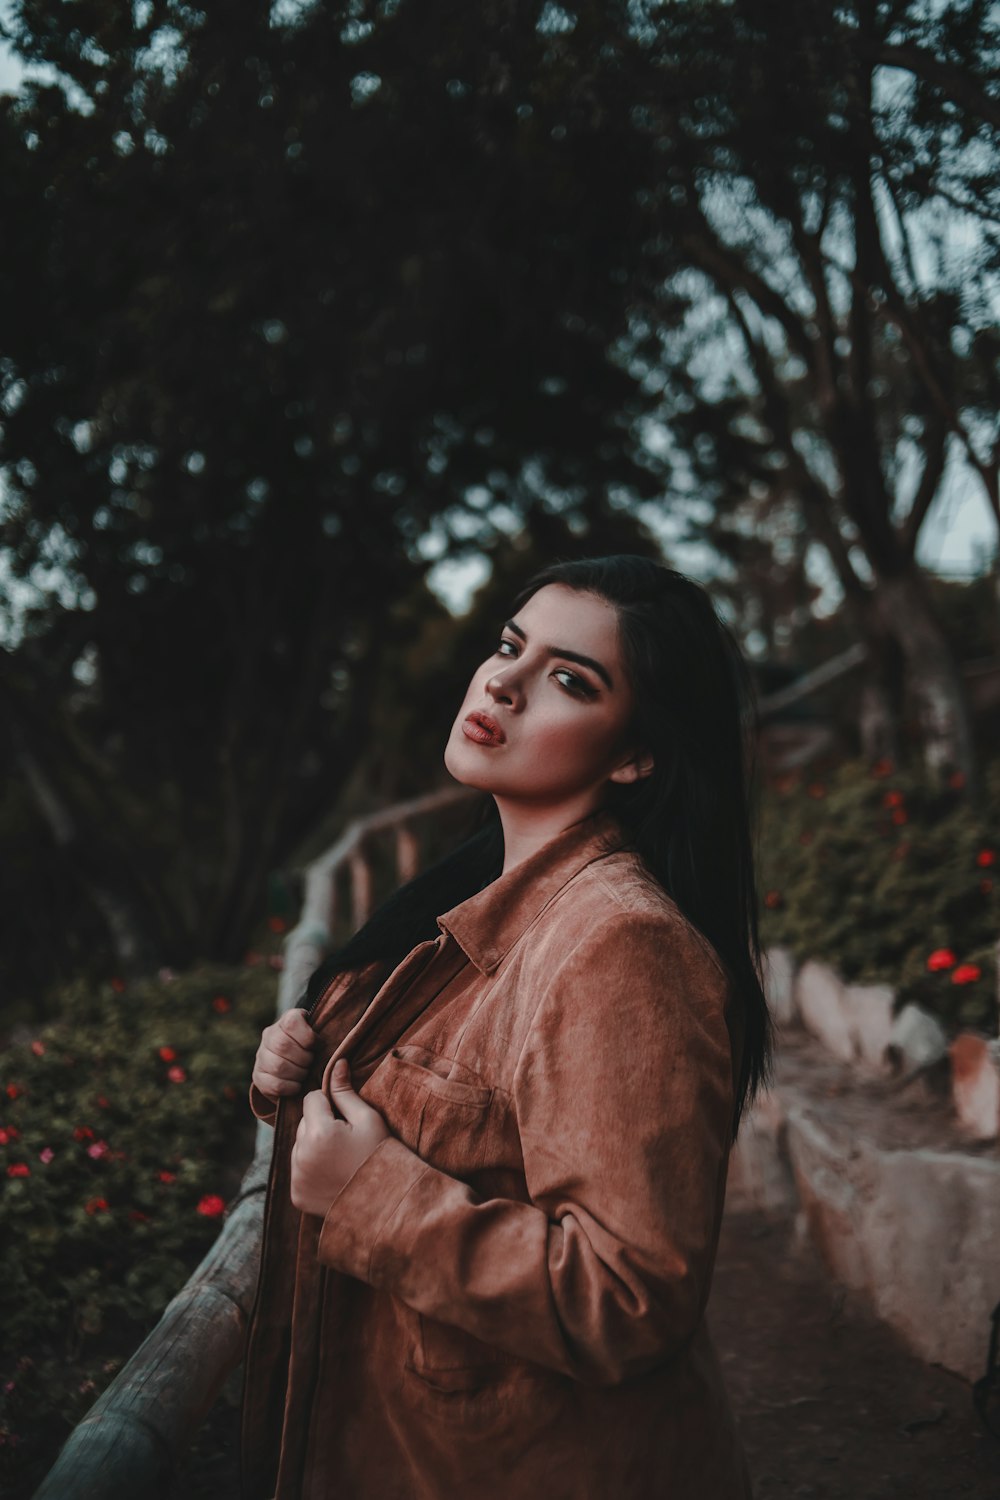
<point x="503" y="1123"/>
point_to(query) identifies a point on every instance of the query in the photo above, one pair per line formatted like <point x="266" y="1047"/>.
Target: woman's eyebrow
<point x="584" y="661"/>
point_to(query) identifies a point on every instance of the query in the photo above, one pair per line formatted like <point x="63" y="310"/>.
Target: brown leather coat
<point x="507" y="1297"/>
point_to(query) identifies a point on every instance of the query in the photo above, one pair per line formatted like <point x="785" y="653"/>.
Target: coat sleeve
<point x="623" y="1095"/>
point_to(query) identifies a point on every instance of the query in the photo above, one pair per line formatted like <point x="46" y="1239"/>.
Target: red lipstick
<point x="483" y="729"/>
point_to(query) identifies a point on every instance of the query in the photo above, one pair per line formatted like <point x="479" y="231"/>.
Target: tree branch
<point x="954" y="81"/>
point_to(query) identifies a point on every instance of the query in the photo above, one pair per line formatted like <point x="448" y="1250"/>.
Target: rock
<point x="853" y="1021"/>
<point x="916" y="1231"/>
<point x="759" y="1174"/>
<point x="779" y="984"/>
<point x="975" y="1084"/>
<point x="819" y="999"/>
<point x="902" y="1208"/>
<point x="869" y="1009"/>
<point x="930" y="1230"/>
<point x="829" y="1195"/>
<point x="916" y="1040"/>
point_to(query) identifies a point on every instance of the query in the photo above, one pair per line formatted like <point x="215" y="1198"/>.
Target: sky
<point x="957" y="539"/>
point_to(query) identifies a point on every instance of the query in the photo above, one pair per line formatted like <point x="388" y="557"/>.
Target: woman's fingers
<point x="284" y="1055"/>
<point x="273" y="1087"/>
<point x="289" y="1040"/>
<point x="293" y="1023"/>
<point x="271" y="1071"/>
<point x="281" y="1065"/>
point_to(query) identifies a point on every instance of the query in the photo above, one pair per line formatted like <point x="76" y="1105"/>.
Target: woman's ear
<point x="633" y="769"/>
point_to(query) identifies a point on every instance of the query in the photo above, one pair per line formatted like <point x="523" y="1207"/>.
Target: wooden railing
<point x="130" y="1441"/>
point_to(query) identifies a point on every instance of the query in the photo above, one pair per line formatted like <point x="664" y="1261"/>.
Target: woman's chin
<point x="468" y="770"/>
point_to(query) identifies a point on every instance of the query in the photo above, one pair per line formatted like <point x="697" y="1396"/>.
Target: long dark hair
<point x="689" y="820"/>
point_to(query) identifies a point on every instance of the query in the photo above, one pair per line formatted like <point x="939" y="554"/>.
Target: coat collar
<point x="488" y="924"/>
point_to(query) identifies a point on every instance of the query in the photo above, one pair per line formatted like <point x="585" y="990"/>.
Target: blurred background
<point x="323" y="325"/>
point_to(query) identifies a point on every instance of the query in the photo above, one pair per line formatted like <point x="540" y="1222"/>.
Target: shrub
<point x="124" y="1127"/>
<point x="877" y="870"/>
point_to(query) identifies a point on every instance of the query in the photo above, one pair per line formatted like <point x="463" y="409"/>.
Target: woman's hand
<point x="284" y="1055"/>
<point x="327" y="1150"/>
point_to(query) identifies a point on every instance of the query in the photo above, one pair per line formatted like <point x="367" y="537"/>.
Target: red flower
<point x="97" y="1206"/>
<point x="957" y="780"/>
<point x="966" y="974"/>
<point x="117" y="985"/>
<point x="103" y="1103"/>
<point x="985" y="858"/>
<point x="941" y="958"/>
<point x="892" y="799"/>
<point x="986" y="886"/>
<point x="221" y="1004"/>
<point x="83" y="1133"/>
<point x="211" y="1206"/>
<point x="19" y="1169"/>
<point x="167" y="1054"/>
<point x="816" y="789"/>
<point x="9" y="1133"/>
<point x="14" y="1091"/>
<point x="229" y="1091"/>
<point x="900" y="815"/>
<point x="277" y="924"/>
<point x="137" y="1216"/>
<point x="176" y="1075"/>
<point x="883" y="767"/>
<point x="166" y="1176"/>
<point x="276" y="961"/>
<point x="38" y="1048"/>
<point x="773" y="900"/>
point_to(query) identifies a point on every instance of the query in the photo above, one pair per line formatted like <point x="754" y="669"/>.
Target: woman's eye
<point x="578" y="686"/>
<point x="575" y="684"/>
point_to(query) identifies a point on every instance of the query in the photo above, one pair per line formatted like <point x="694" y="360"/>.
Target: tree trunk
<point x="932" y="675"/>
<point x="134" y="947"/>
<point x="880" y="707"/>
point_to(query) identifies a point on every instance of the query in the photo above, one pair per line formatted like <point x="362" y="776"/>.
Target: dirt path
<point x="830" y="1403"/>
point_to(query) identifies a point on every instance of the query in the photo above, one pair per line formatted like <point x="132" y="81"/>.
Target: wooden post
<point x="407" y="853"/>
<point x="361" y="887"/>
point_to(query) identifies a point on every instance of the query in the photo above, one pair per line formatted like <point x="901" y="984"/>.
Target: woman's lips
<point x="478" y="728"/>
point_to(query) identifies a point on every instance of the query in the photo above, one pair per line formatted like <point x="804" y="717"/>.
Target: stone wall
<point x="860" y="1135"/>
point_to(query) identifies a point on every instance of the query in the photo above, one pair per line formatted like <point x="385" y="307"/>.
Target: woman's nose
<point x="499" y="687"/>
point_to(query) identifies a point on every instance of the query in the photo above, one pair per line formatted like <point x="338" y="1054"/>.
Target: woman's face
<point x="563" y="720"/>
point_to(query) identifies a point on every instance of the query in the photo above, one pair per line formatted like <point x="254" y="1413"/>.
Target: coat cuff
<point x="365" y="1205"/>
<point x="264" y="1108"/>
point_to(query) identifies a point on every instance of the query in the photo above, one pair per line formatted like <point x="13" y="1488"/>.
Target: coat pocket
<point x="436" y="1105"/>
<point x="448" y="1359"/>
<point x="442" y="1110"/>
<point x="444" y="1077"/>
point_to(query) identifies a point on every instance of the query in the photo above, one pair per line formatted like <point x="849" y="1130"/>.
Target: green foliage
<point x="874" y="869"/>
<point x="287" y="297"/>
<point x="124" y="1126"/>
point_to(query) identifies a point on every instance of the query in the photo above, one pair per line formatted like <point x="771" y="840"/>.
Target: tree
<point x="840" y="345"/>
<point x="284" y="295"/>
